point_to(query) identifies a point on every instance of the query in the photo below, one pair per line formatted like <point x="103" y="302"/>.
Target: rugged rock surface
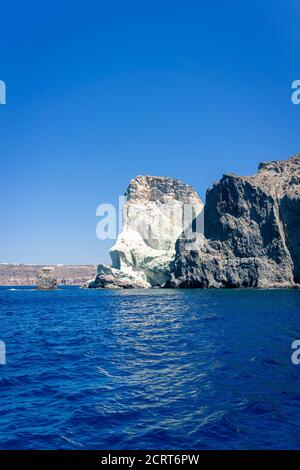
<point x="157" y="211"/>
<point x="46" y="279"/>
<point x="252" y="232"/>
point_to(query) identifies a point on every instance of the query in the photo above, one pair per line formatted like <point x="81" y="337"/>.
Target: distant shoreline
<point x="25" y="274"/>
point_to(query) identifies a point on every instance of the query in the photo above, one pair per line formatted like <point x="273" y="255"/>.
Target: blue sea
<point x="149" y="369"/>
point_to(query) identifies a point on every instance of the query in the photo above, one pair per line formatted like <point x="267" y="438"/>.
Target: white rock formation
<point x="252" y="233"/>
<point x="157" y="211"/>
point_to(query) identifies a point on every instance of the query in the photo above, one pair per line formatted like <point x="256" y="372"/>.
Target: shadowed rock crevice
<point x="157" y="210"/>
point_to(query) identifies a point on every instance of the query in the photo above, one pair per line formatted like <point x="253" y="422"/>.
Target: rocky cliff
<point x="252" y="232"/>
<point x="157" y="211"/>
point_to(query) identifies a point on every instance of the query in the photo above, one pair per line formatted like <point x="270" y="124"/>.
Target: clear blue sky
<point x="100" y="91"/>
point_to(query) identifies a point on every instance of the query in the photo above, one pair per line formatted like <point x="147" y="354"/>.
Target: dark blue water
<point x="149" y="369"/>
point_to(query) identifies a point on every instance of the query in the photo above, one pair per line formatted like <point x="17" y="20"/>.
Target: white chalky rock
<point x="157" y="211"/>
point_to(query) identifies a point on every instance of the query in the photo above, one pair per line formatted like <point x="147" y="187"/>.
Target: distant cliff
<point x="26" y="274"/>
<point x="252" y="232"/>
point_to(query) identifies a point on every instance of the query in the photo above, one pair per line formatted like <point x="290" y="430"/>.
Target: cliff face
<point x="26" y="274"/>
<point x="252" y="232"/>
<point x="157" y="211"/>
<point x="46" y="279"/>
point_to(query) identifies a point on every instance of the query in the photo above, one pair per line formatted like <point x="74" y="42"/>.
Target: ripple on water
<point x="149" y="369"/>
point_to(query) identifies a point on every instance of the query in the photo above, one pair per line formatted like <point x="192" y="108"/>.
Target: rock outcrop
<point x="46" y="279"/>
<point x="157" y="211"/>
<point x="252" y="232"/>
<point x="110" y="278"/>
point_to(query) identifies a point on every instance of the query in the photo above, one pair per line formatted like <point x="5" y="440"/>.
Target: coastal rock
<point x="157" y="211"/>
<point x="252" y="232"/>
<point x="46" y="279"/>
<point x="26" y="274"/>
